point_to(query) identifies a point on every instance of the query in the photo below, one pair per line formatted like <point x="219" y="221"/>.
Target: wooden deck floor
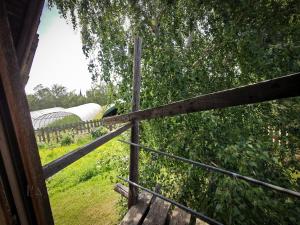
<point x="151" y="210"/>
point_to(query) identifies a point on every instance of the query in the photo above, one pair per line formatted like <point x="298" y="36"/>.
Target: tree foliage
<point x="192" y="48"/>
<point x="59" y="96"/>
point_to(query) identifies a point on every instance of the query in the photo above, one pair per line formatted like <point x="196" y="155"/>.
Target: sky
<point x="59" y="58"/>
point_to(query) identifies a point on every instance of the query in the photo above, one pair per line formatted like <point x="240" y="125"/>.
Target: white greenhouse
<point x="44" y="117"/>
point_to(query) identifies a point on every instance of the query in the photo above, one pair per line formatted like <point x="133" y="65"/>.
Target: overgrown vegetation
<point x="98" y="132"/>
<point x="197" y="47"/>
<point x="83" y="192"/>
<point x="67" y="139"/>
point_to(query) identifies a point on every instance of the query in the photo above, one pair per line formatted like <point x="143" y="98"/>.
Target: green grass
<point x="83" y="192"/>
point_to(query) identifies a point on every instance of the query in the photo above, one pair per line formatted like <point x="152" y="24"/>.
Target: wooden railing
<point x="283" y="87"/>
<point x="67" y="159"/>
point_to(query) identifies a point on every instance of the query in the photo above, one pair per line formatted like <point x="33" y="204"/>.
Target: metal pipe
<point x="226" y="172"/>
<point x="187" y="209"/>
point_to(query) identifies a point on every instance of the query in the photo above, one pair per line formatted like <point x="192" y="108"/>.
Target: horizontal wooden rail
<point x="121" y="189"/>
<point x="283" y="87"/>
<point x="55" y="166"/>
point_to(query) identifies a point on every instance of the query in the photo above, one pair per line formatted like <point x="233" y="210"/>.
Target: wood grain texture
<point x="200" y="222"/>
<point x="9" y="170"/>
<point x="26" y="41"/>
<point x="121" y="189"/>
<point x="16" y="10"/>
<point x="179" y="217"/>
<point x="282" y="87"/>
<point x="6" y="214"/>
<point x="27" y="66"/>
<point x="136" y="213"/>
<point x="158" y="212"/>
<point x="57" y="165"/>
<point x="135" y="130"/>
<point x="18" y="127"/>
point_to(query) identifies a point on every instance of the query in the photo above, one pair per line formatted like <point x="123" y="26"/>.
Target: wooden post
<point x="134" y="150"/>
<point x="47" y="134"/>
<point x="76" y="129"/>
<point x="80" y="127"/>
<point x="64" y="128"/>
<point x="88" y="126"/>
<point x="21" y="171"/>
<point x="39" y="135"/>
<point x="43" y="135"/>
<point x="56" y="134"/>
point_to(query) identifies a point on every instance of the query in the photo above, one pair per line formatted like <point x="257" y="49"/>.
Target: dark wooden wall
<point x="24" y="198"/>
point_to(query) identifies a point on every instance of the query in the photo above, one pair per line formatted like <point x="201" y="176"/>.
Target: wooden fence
<point x="48" y="134"/>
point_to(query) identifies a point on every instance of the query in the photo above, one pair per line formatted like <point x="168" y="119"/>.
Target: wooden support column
<point x="21" y="163"/>
<point x="28" y="41"/>
<point x="134" y="150"/>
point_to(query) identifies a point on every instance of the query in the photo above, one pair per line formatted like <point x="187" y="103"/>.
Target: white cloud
<point x="59" y="58"/>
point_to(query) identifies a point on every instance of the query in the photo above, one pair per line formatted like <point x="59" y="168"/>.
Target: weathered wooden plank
<point x="135" y="131"/>
<point x="43" y="134"/>
<point x="7" y="214"/>
<point x="121" y="189"/>
<point x="19" y="134"/>
<point x="158" y="213"/>
<point x="64" y="161"/>
<point x="200" y="222"/>
<point x="282" y="87"/>
<point x="180" y="217"/>
<point x="193" y="212"/>
<point x="15" y="11"/>
<point x="15" y="7"/>
<point x="136" y="213"/>
<point x="27" y="35"/>
<point x="28" y="64"/>
<point x="9" y="165"/>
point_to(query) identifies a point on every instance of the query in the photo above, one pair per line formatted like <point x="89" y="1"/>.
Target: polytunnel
<point x="44" y="117"/>
<point x="85" y="112"/>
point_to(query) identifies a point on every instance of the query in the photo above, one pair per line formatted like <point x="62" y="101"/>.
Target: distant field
<point x="83" y="192"/>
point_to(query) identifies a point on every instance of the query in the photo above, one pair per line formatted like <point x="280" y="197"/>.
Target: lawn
<point x="83" y="192"/>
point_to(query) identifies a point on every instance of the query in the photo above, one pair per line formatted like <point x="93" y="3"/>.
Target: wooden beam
<point x="9" y="170"/>
<point x="121" y="189"/>
<point x="180" y="217"/>
<point x="137" y="213"/>
<point x="200" y="222"/>
<point x="282" y="87"/>
<point x="7" y="213"/>
<point x="57" y="165"/>
<point x="28" y="34"/>
<point x="28" y="64"/>
<point x="135" y="131"/>
<point x="33" y="206"/>
<point x="158" y="212"/>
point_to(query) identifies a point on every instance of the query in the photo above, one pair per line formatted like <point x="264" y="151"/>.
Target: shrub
<point x="98" y="132"/>
<point x="66" y="139"/>
<point x="88" y="174"/>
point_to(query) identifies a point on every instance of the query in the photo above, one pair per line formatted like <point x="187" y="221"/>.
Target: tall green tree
<point x="192" y="48"/>
<point x="59" y="96"/>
